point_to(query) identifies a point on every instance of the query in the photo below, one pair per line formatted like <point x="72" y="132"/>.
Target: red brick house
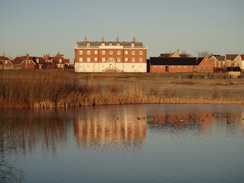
<point x="5" y="63"/>
<point x="60" y="61"/>
<point x="24" y="62"/>
<point x="179" y="64"/>
<point x="218" y="62"/>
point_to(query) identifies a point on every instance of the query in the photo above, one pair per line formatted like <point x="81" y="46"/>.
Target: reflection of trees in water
<point x="21" y="131"/>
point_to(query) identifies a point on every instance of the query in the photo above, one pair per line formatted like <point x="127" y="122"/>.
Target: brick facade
<point x="110" y="56"/>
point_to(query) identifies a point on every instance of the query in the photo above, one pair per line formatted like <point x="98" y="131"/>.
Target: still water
<point x="126" y="143"/>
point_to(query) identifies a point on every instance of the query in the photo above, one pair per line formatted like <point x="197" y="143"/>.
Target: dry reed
<point x="43" y="89"/>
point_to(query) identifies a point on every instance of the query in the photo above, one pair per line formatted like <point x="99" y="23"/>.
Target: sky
<point x="39" y="27"/>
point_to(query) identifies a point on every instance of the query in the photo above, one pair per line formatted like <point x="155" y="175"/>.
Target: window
<point x="88" y="45"/>
<point x="110" y="52"/>
<point x="133" y="59"/>
<point x="118" y="52"/>
<point x="88" y="52"/>
<point x="103" y="44"/>
<point x="80" y="52"/>
<point x="126" y="52"/>
<point x="95" y="52"/>
<point x="140" y="59"/>
<point x="88" y="59"/>
<point x="118" y="59"/>
<point x="95" y="59"/>
<point x="103" y="52"/>
<point x="81" y="59"/>
<point x="126" y="59"/>
<point x="141" y="52"/>
<point x="60" y="60"/>
<point x="132" y="45"/>
<point x="133" y="52"/>
<point x="103" y="59"/>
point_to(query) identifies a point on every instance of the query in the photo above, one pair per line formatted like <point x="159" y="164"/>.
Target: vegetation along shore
<point x="55" y="88"/>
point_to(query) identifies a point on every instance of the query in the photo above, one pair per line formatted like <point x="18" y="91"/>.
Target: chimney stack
<point x="134" y="39"/>
<point x="85" y="39"/>
<point x="117" y="39"/>
<point x="102" y="39"/>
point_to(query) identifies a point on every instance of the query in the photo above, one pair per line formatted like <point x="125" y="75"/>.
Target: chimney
<point x="85" y="39"/>
<point x="27" y="56"/>
<point x="102" y="39"/>
<point x="134" y="39"/>
<point x="117" y="39"/>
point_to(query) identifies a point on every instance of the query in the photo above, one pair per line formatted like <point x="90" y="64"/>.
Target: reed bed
<point x="42" y="89"/>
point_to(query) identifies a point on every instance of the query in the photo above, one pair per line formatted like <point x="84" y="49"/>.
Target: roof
<point x="175" y="60"/>
<point x="109" y="43"/>
<point x="19" y="60"/>
<point x="219" y="57"/>
<point x="4" y="58"/>
<point x="236" y="69"/>
<point x="231" y="56"/>
<point x="242" y="57"/>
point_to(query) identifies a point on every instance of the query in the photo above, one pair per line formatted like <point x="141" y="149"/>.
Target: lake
<point x="124" y="143"/>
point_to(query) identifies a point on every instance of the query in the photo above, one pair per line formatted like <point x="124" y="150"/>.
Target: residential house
<point x="59" y="61"/>
<point x="180" y="64"/>
<point x="241" y="62"/>
<point x="110" y="56"/>
<point x="24" y="62"/>
<point x="218" y="63"/>
<point x="232" y="60"/>
<point x="233" y="72"/>
<point x="5" y="63"/>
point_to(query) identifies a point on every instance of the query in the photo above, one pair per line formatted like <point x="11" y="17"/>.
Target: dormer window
<point x="110" y="44"/>
<point x="37" y="60"/>
<point x="88" y="45"/>
<point x="132" y="45"/>
<point x="60" y="60"/>
<point x="103" y="44"/>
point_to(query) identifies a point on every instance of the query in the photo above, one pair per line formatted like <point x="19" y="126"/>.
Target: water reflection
<point x="40" y="139"/>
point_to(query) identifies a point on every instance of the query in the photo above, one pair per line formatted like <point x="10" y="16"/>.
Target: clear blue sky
<point x="50" y="26"/>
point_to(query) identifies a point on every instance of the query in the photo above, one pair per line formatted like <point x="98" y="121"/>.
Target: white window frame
<point x="118" y="59"/>
<point x="103" y="59"/>
<point x="111" y="52"/>
<point x="80" y="52"/>
<point x="141" y="52"/>
<point x="95" y="52"/>
<point x="95" y="59"/>
<point x="133" y="59"/>
<point x="88" y="52"/>
<point x="126" y="52"/>
<point x="133" y="52"/>
<point x="88" y="59"/>
<point x="118" y="52"/>
<point x="103" y="52"/>
<point x="126" y="59"/>
<point x="141" y="59"/>
<point x="80" y="59"/>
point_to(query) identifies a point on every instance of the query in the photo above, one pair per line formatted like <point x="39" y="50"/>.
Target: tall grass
<point x="41" y="89"/>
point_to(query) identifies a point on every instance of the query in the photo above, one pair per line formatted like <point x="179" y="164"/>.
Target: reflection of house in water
<point x="125" y="131"/>
<point x="200" y="121"/>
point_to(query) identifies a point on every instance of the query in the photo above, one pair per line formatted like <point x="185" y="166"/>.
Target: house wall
<point x="205" y="66"/>
<point x="219" y="65"/>
<point x="171" y="69"/>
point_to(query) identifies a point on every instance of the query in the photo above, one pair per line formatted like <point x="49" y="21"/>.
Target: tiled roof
<point x="106" y="43"/>
<point x="4" y="58"/>
<point x="19" y="60"/>
<point x="242" y="57"/>
<point x="233" y="69"/>
<point x="175" y="61"/>
<point x="219" y="57"/>
<point x="231" y="56"/>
